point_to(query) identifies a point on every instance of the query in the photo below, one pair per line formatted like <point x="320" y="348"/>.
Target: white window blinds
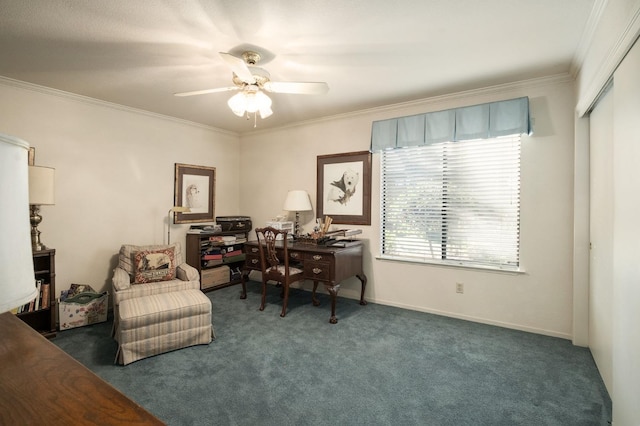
<point x="453" y="203"/>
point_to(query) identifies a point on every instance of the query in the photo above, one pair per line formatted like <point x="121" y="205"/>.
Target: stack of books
<point x="40" y="302"/>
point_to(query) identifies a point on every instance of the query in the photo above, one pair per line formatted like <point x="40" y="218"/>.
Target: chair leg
<point x="264" y="294"/>
<point x="286" y="300"/>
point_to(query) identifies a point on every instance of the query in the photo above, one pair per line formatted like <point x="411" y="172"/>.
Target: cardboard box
<point x="214" y="276"/>
<point x="82" y="309"/>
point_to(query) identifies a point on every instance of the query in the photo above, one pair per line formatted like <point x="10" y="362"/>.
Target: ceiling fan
<point x="251" y="81"/>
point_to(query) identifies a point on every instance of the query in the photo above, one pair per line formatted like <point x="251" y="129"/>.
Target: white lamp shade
<point x="17" y="280"/>
<point x="297" y="201"/>
<point x="41" y="185"/>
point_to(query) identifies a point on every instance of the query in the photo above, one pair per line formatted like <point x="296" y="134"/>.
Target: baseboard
<point x="480" y="320"/>
<point x="355" y="294"/>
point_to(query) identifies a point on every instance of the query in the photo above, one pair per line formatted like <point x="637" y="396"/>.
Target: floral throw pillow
<point x="154" y="265"/>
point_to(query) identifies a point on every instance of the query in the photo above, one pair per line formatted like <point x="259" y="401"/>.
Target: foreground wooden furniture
<point x="42" y="385"/>
<point x="274" y="263"/>
<point x="329" y="265"/>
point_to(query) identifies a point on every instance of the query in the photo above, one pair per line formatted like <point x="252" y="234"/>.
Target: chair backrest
<point x="269" y="243"/>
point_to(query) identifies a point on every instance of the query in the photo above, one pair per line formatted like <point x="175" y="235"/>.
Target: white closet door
<point x="601" y="237"/>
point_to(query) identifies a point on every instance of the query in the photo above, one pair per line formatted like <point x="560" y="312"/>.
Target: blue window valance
<point x="473" y="122"/>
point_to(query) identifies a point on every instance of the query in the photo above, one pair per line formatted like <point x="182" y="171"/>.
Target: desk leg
<point x="314" y="299"/>
<point x="245" y="277"/>
<point x="333" y="291"/>
<point x="363" y="279"/>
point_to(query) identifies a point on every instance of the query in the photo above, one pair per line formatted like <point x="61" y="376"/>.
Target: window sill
<point x="455" y="265"/>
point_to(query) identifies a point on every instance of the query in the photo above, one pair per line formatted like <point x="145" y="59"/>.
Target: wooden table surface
<point x="42" y="385"/>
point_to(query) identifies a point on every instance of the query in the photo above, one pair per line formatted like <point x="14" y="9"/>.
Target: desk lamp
<point x="41" y="192"/>
<point x="297" y="201"/>
<point x="177" y="209"/>
<point x="17" y="279"/>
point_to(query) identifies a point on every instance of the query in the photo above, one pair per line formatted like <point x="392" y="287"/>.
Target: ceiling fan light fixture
<point x="265" y="112"/>
<point x="250" y="102"/>
<point x="237" y="104"/>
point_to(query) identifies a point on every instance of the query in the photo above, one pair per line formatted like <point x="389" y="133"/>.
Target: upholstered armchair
<point x="157" y="303"/>
<point x="124" y="276"/>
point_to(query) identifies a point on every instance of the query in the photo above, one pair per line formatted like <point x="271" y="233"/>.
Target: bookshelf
<point x="43" y="319"/>
<point x="219" y="257"/>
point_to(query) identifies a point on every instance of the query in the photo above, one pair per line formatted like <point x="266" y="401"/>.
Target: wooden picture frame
<point x="344" y="187"/>
<point x="195" y="187"/>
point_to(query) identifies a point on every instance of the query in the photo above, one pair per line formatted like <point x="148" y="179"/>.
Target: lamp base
<point x="35" y="219"/>
<point x="296" y="229"/>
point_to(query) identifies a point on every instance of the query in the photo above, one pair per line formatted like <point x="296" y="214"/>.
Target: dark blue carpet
<point x="378" y="366"/>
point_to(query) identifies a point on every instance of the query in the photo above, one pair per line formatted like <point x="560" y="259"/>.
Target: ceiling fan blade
<point x="205" y="91"/>
<point x="303" y="88"/>
<point x="239" y="67"/>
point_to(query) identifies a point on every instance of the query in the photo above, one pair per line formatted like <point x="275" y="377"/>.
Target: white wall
<point x="114" y="174"/>
<point x="540" y="300"/>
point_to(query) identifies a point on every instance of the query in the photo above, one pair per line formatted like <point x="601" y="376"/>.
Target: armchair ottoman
<point x="151" y="318"/>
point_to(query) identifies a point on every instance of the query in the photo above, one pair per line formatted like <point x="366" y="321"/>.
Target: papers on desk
<point x="345" y="243"/>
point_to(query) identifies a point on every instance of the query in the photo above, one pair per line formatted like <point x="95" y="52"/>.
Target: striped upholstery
<point x="187" y="277"/>
<point x="158" y="323"/>
<point x="153" y="318"/>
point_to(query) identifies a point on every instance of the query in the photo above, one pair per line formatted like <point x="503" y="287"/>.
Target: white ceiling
<point x="370" y="52"/>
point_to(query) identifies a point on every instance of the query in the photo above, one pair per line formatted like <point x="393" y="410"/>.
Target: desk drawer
<point x="253" y="262"/>
<point x="295" y="257"/>
<point x="318" y="257"/>
<point x="253" y="258"/>
<point x="320" y="271"/>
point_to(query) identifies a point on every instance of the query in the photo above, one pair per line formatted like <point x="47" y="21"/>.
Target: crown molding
<point x="586" y="39"/>
<point x="6" y="81"/>
<point x="616" y="54"/>
<point x="383" y="112"/>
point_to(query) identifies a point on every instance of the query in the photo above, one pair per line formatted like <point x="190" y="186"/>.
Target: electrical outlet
<point x="459" y="288"/>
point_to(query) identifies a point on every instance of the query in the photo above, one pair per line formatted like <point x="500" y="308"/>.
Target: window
<point x="453" y="203"/>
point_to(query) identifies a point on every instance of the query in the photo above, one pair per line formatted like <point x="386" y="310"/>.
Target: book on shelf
<point x="213" y="250"/>
<point x="232" y="253"/>
<point x="39" y="302"/>
<point x="38" y="295"/>
<point x="211" y="256"/>
<point x="46" y="295"/>
<point x="229" y="239"/>
<point x="211" y="263"/>
<point x="232" y="259"/>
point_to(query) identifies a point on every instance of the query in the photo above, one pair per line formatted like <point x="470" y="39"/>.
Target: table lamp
<point x="41" y="192"/>
<point x="17" y="279"/>
<point x="176" y="209"/>
<point x="297" y="201"/>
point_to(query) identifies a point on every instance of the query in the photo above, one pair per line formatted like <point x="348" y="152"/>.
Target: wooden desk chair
<point x="273" y="267"/>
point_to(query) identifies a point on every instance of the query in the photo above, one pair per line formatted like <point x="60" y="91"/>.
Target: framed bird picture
<point x="344" y="187"/>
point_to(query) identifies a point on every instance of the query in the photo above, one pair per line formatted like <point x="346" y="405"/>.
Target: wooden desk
<point x="42" y="385"/>
<point x="329" y="265"/>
